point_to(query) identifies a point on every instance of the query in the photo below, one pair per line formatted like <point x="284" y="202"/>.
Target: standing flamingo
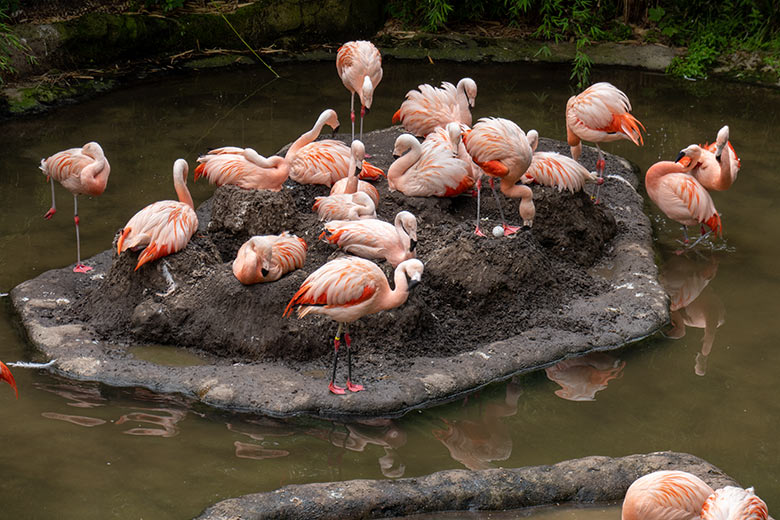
<point x="501" y="149"/>
<point x="717" y="165"/>
<point x="375" y="239"/>
<point x="351" y="183"/>
<point x="82" y="171"/>
<point x="359" y="65"/>
<point x="680" y="196"/>
<point x="431" y="107"/>
<point x="427" y="170"/>
<point x="734" y="503"/>
<point x="582" y="377"/>
<point x="243" y="167"/>
<point x="665" y="495"/>
<point x="555" y="170"/>
<point x="162" y="227"/>
<point x="348" y="288"/>
<point x="326" y="161"/>
<point x="600" y="114"/>
<point x="267" y="258"/>
<point x="5" y="375"/>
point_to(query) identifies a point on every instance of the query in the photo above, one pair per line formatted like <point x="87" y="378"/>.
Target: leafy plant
<point x="9" y="42"/>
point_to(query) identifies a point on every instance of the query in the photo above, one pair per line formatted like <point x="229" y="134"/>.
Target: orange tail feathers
<point x="152" y="252"/>
<point x="494" y="168"/>
<point x="370" y="172"/>
<point x="121" y="240"/>
<point x="5" y="375"/>
<point x="465" y="184"/>
<point x="715" y="224"/>
<point x="629" y="126"/>
<point x="397" y="117"/>
<point x="200" y="171"/>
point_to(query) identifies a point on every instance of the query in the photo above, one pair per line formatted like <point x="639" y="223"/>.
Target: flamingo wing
<point x="65" y="167"/>
<point x="5" y="375"/>
<point x="224" y="168"/>
<point x="556" y="170"/>
<point x="687" y="198"/>
<point x="321" y="162"/>
<point x="289" y="252"/>
<point x="369" y="233"/>
<point x="356" y="60"/>
<point x="428" y="108"/>
<point x="601" y="113"/>
<point x="671" y="495"/>
<point x="733" y="503"/>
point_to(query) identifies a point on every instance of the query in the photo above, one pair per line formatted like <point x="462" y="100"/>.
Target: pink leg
<point x="600" y="165"/>
<point x="352" y="114"/>
<point x="49" y="214"/>
<point x="478" y="231"/>
<point x="352" y="387"/>
<point x="336" y="343"/>
<point x="80" y="268"/>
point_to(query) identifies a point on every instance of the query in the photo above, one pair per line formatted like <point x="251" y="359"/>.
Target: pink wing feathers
<point x="601" y="113"/>
<point x="244" y="168"/>
<point x="498" y="146"/>
<point x="354" y="61"/>
<point x="665" y="495"/>
<point x="82" y="171"/>
<point x="289" y="252"/>
<point x="429" y="107"/>
<point x="684" y="197"/>
<point x="733" y="503"/>
<point x="556" y="170"/>
<point x="325" y="162"/>
<point x="340" y="186"/>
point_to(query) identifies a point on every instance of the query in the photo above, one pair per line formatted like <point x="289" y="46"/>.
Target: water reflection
<point x="693" y="303"/>
<point x="582" y="377"/>
<point x="258" y="429"/>
<point x="164" y="421"/>
<point x="79" y="420"/>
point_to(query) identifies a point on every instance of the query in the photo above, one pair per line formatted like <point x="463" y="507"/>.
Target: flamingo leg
<point x="336" y="343"/>
<point x="49" y="214"/>
<point x="352" y="114"/>
<point x="508" y="230"/>
<point x="352" y="387"/>
<point x="80" y="268"/>
<point x="600" y="164"/>
<point x="478" y="231"/>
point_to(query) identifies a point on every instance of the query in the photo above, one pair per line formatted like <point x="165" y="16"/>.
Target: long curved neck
<point x="461" y="96"/>
<point x="406" y="240"/>
<point x="657" y="171"/>
<point x="401" y="165"/>
<point x="95" y="176"/>
<point x="516" y="191"/>
<point x="180" y="183"/>
<point x="726" y="178"/>
<point x="352" y="180"/>
<point x="398" y="296"/>
<point x="306" y="138"/>
<point x="279" y="166"/>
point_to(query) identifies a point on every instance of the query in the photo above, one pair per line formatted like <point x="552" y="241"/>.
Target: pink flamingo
<point x="5" y="375"/>
<point x="427" y="170"/>
<point x="162" y="227"/>
<point x="82" y="171"/>
<point x="665" y="495"/>
<point x="345" y="290"/>
<point x="326" y="161"/>
<point x="352" y="206"/>
<point x="351" y="183"/>
<point x="375" y="239"/>
<point x="431" y="107"/>
<point x="600" y="114"/>
<point x="267" y="258"/>
<point x="555" y="170"/>
<point x="501" y="149"/>
<point x="734" y="503"/>
<point x="243" y="167"/>
<point x="582" y="377"/>
<point x="680" y="196"/>
<point x="717" y="165"/>
<point x="359" y="65"/>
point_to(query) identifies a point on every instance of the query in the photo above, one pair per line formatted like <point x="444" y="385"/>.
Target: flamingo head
<point x="720" y="142"/>
<point x="409" y="224"/>
<point x="533" y="139"/>
<point x="413" y="269"/>
<point x="367" y="94"/>
<point x="403" y="144"/>
<point x="689" y="156"/>
<point x="470" y="88"/>
<point x="181" y="169"/>
<point x="330" y="118"/>
<point x="358" y="153"/>
<point x="454" y="132"/>
<point x="92" y="149"/>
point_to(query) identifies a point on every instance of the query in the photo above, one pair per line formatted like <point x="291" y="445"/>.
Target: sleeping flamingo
<point x="5" y="375"/>
<point x="734" y="503"/>
<point x="267" y="258"/>
<point x="427" y="170"/>
<point x="345" y="290"/>
<point x="680" y="196"/>
<point x="243" y="167"/>
<point x="431" y="107"/>
<point x="555" y="170"/>
<point x="718" y="165"/>
<point x="351" y="183"/>
<point x="665" y="495"/>
<point x="326" y="161"/>
<point x="82" y="171"/>
<point x="501" y="149"/>
<point x="345" y="206"/>
<point x="359" y="65"/>
<point x="162" y="227"/>
<point x="600" y="114"/>
<point x="375" y="239"/>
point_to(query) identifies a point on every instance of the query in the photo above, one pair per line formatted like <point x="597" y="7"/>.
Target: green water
<point x="76" y="450"/>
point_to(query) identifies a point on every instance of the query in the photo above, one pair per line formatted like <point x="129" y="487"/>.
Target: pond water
<point x="76" y="450"/>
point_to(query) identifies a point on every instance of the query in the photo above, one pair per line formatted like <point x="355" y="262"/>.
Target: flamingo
<point x="359" y="65"/>
<point x="375" y="239"/>
<point x="734" y="503"/>
<point x="243" y="167"/>
<point x="162" y="227"/>
<point x="427" y="170"/>
<point x="718" y="165"/>
<point x="5" y="375"/>
<point x="351" y="183"/>
<point x="345" y="290"/>
<point x="600" y="114"/>
<point x="680" y="196"/>
<point x="267" y="258"/>
<point x="352" y="206"/>
<point x="82" y="171"/>
<point x="582" y="377"/>
<point x="555" y="170"/>
<point x="501" y="149"/>
<point x="326" y="161"/>
<point x="431" y="107"/>
<point x="665" y="495"/>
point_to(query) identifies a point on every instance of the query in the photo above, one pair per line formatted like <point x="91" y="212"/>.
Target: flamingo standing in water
<point x="359" y="65"/>
<point x="734" y="503"/>
<point x="5" y="375"/>
<point x="717" y="165"/>
<point x="600" y="114"/>
<point x="82" y="171"/>
<point x="555" y="170"/>
<point x="162" y="227"/>
<point x="375" y="239"/>
<point x="267" y="258"/>
<point x="429" y="107"/>
<point x="352" y="183"/>
<point x="345" y="290"/>
<point x="501" y="149"/>
<point x="427" y="170"/>
<point x="326" y="161"/>
<point x="680" y="196"/>
<point x="665" y="495"/>
<point x="243" y="167"/>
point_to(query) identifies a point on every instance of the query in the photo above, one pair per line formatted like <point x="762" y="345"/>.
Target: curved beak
<point x="396" y="156"/>
<point x="412" y="244"/>
<point x="413" y="283"/>
<point x="680" y="156"/>
<point x="335" y="130"/>
<point x="264" y="272"/>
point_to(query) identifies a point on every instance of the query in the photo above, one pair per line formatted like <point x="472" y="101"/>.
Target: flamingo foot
<point x="81" y="268"/>
<point x="49" y="214"/>
<point x="479" y="232"/>
<point x="335" y="389"/>
<point x="353" y="387"/>
<point x="600" y="181"/>
<point x="510" y="230"/>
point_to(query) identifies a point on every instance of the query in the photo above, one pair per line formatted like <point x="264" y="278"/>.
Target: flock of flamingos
<point x="451" y="160"/>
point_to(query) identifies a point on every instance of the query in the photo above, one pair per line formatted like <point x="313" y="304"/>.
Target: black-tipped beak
<point x="358" y="168"/>
<point x="366" y="109"/>
<point x="264" y="272"/>
<point x="680" y="156"/>
<point x="396" y="156"/>
<point x="412" y="244"/>
<point x="717" y="157"/>
<point x="413" y="284"/>
<point x="335" y="130"/>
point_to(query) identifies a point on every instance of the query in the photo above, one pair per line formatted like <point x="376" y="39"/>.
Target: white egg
<point x="498" y="231"/>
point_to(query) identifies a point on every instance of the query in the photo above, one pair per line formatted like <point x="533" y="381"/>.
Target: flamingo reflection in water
<point x="259" y="430"/>
<point x="693" y="303"/>
<point x="582" y="377"/>
<point x="477" y="443"/>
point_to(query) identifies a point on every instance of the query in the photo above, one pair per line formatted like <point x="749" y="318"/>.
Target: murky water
<point x="75" y="450"/>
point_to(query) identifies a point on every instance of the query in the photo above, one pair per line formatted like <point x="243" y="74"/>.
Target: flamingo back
<point x="321" y="162"/>
<point x="348" y="206"/>
<point x="429" y="107"/>
<point x="497" y="140"/>
<point x="66" y="167"/>
<point x="340" y="186"/>
<point x="734" y="503"/>
<point x="665" y="495"/>
<point x="688" y="198"/>
<point x="354" y="61"/>
<point x="558" y="171"/>
<point x="601" y="113"/>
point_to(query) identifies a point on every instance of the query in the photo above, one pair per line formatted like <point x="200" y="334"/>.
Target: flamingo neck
<point x="277" y="167"/>
<point x="306" y="138"/>
<point x="406" y="240"/>
<point x="181" y="190"/>
<point x="516" y="191"/>
<point x="352" y="180"/>
<point x="398" y="296"/>
<point x="95" y="176"/>
<point x="401" y="165"/>
<point x="657" y="171"/>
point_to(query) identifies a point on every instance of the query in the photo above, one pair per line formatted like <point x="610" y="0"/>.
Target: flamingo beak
<point x="366" y="110"/>
<point x="396" y="156"/>
<point x="412" y="244"/>
<point x="335" y="130"/>
<point x="680" y="156"/>
<point x="264" y="272"/>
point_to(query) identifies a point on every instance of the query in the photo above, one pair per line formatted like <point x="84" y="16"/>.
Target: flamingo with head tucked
<point x="351" y="183"/>
<point x="5" y="375"/>
<point x="345" y="290"/>
<point x="375" y="239"/>
<point x="555" y="170"/>
<point x="665" y="495"/>
<point x="243" y="167"/>
<point x="717" y="165"/>
<point x="162" y="227"/>
<point x="82" y="171"/>
<point x="429" y="107"/>
<point x="734" y="503"/>
<point x="359" y="65"/>
<point x="268" y="258"/>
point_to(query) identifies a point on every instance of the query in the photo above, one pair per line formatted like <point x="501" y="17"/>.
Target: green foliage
<point x="166" y="5"/>
<point x="9" y="42"/>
